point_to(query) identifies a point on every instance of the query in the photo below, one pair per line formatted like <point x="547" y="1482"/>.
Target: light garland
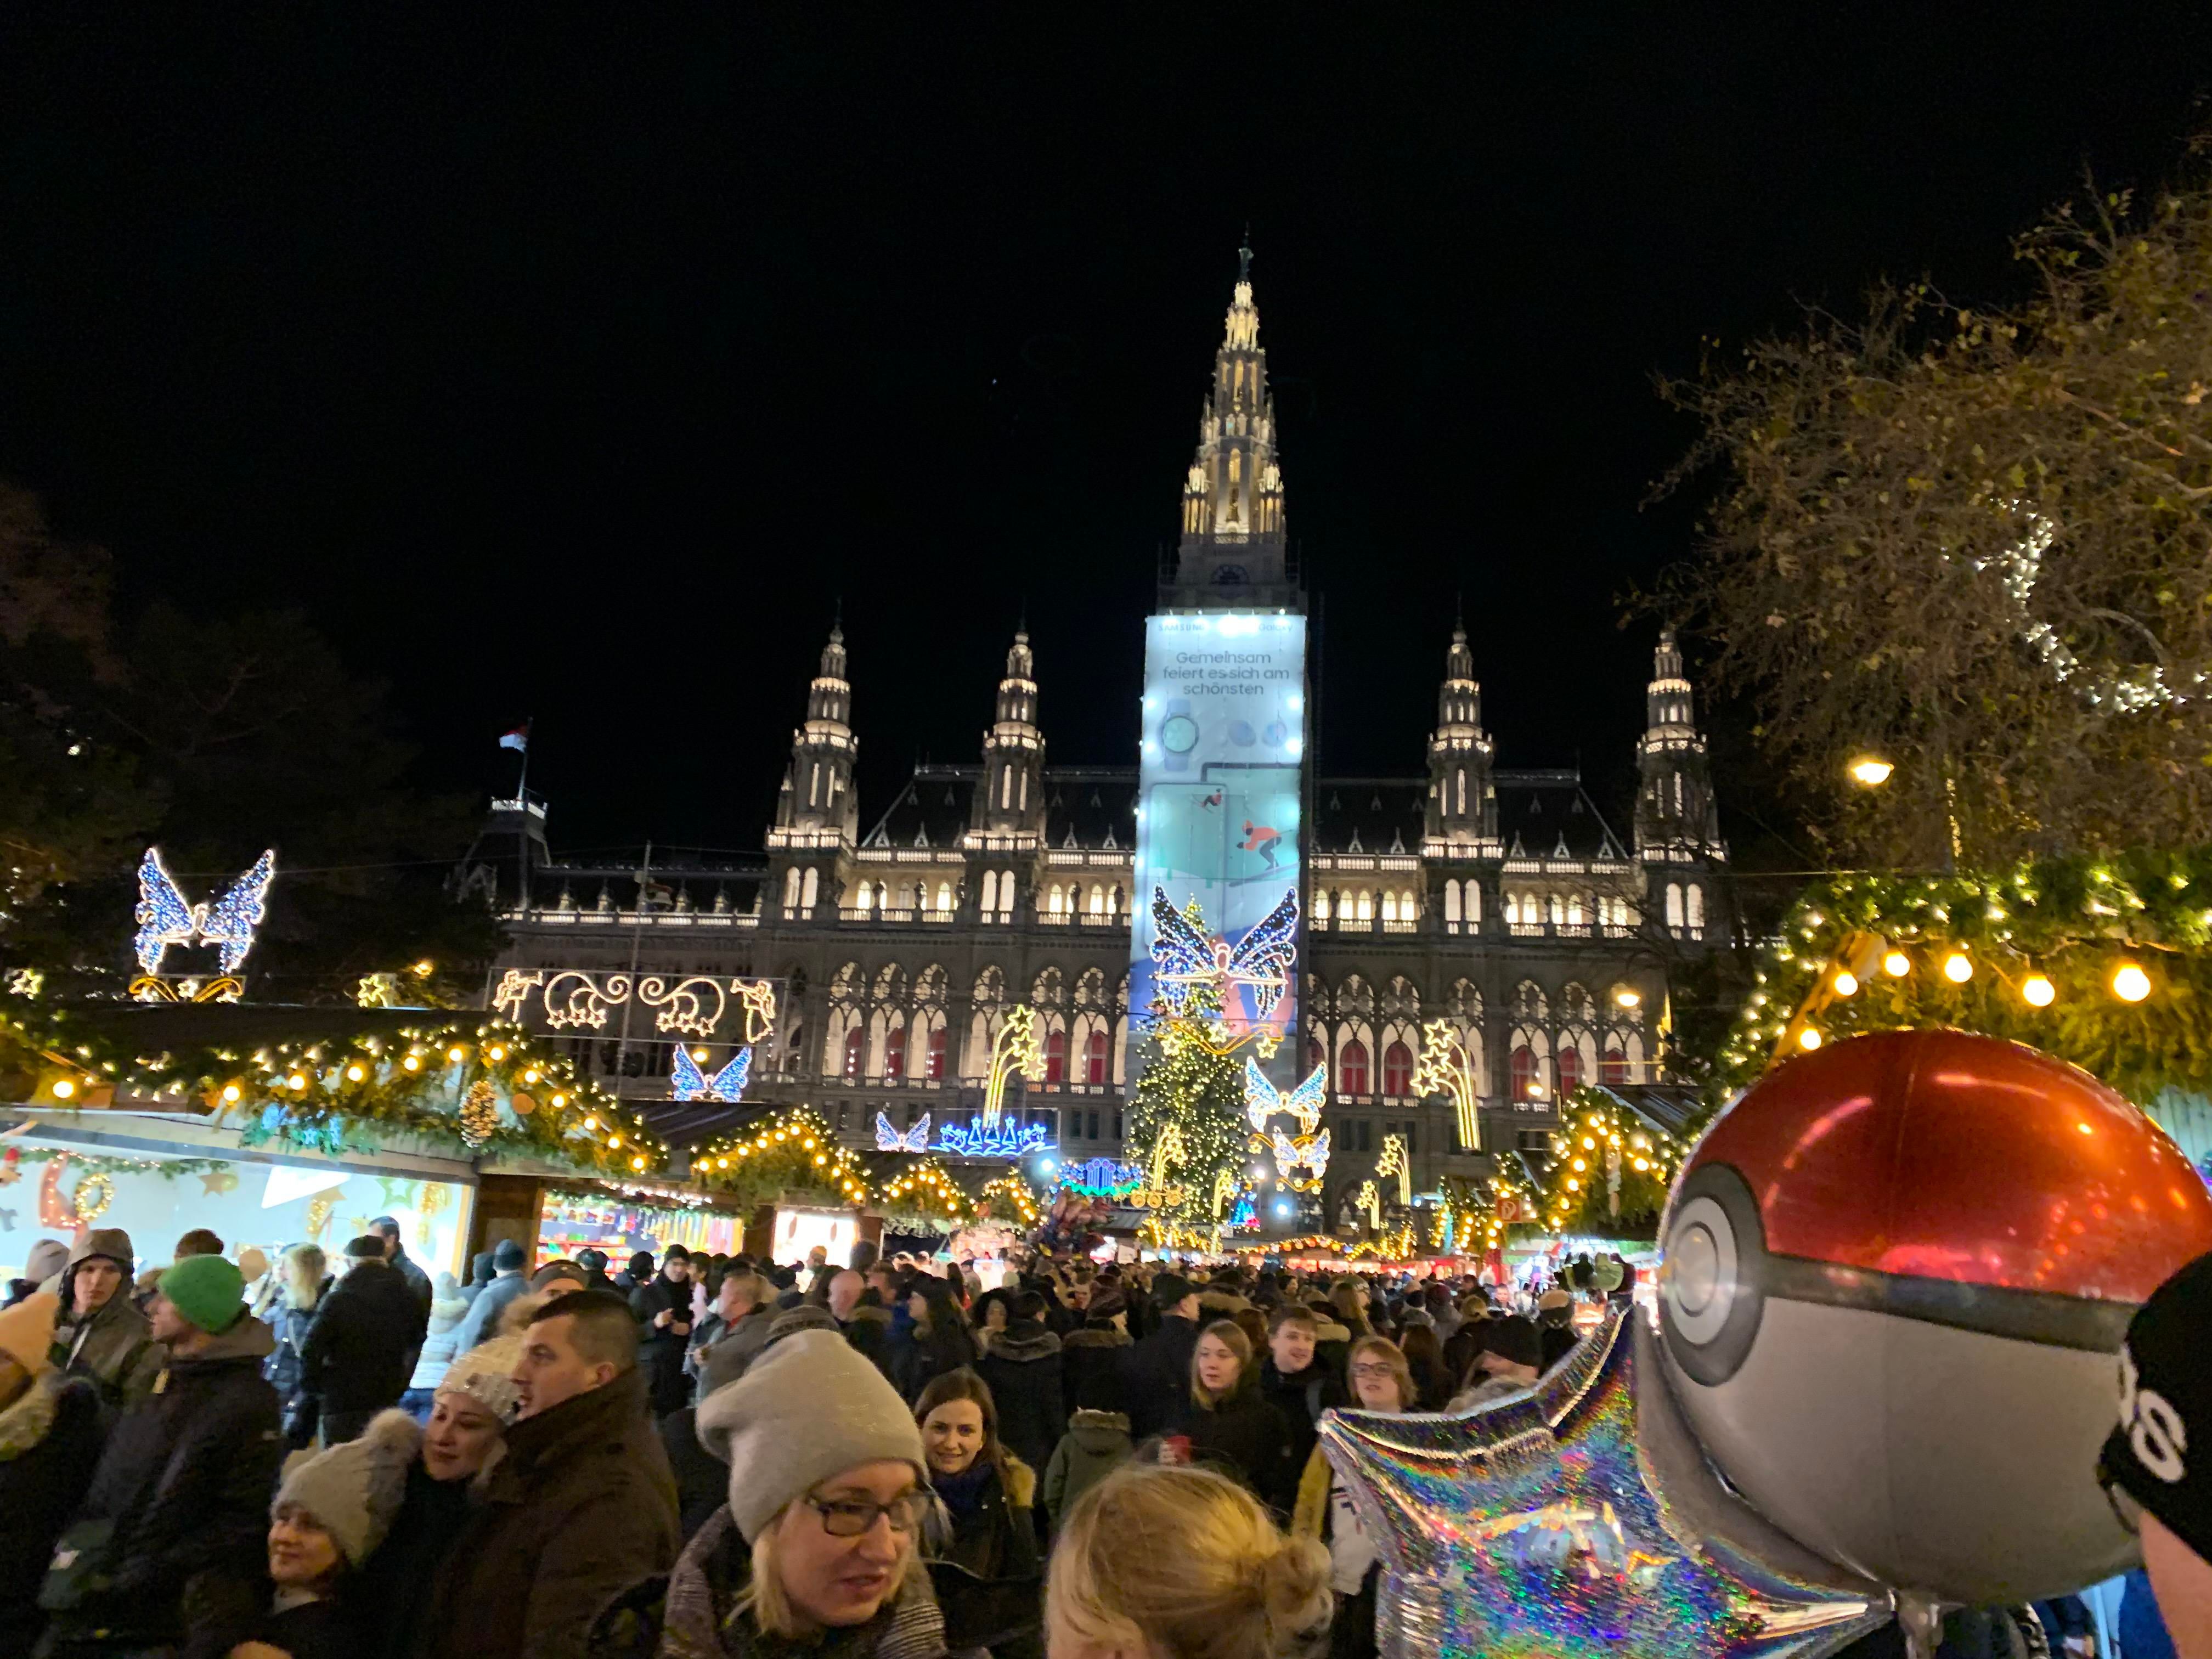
<point x="1607" y="1164"/>
<point x="927" y="1191"/>
<point x="1012" y="1191"/>
<point x="791" y="1150"/>
<point x="693" y="1006"/>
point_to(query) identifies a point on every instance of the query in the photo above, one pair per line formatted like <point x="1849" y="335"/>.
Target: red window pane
<point x="856" y="1042"/>
<point x="1095" y="1057"/>
<point x="1351" y="1067"/>
<point x="1613" y="1069"/>
<point x="895" y="1054"/>
<point x="1571" y="1070"/>
<point x="937" y="1053"/>
<point x="1055" y="1057"/>
<point x="1524" y="1073"/>
<point x="1316" y="1055"/>
<point x="1397" y="1069"/>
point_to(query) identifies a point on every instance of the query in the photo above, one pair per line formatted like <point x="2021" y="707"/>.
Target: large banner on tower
<point x="1219" y="801"/>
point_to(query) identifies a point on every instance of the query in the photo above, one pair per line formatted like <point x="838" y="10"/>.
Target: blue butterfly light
<point x="1188" y="958"/>
<point x="164" y="919"/>
<point x="889" y="1139"/>
<point x="688" y="1082"/>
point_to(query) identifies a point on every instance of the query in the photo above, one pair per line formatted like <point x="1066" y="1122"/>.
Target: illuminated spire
<point x="817" y="789"/>
<point x="1011" y="799"/>
<point x="1462" y="799"/>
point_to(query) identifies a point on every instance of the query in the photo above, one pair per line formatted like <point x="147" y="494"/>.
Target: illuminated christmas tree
<point x="1188" y="1122"/>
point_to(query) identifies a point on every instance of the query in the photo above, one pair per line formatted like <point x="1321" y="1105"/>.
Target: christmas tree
<point x="1191" y="1092"/>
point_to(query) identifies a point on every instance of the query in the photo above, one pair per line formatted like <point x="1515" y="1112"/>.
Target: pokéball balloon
<point x="1896" y="1275"/>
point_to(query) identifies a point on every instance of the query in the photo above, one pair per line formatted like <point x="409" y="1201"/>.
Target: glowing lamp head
<point x="2129" y="984"/>
<point x="425" y="968"/>
<point x="63" y="1088"/>
<point x="1896" y="964"/>
<point x="1958" y="968"/>
<point x="230" y="1092"/>
<point x="1846" y="984"/>
<point x="1870" y="771"/>
<point x="353" y="1074"/>
<point x="1808" y="1039"/>
<point x="1626" y="998"/>
<point x="2037" y="991"/>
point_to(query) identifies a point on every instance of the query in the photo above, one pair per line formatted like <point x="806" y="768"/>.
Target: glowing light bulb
<point x="353" y="1074"/>
<point x="1626" y="998"/>
<point x="1846" y="984"/>
<point x="2129" y="982"/>
<point x="1958" y="968"/>
<point x="2037" y="991"/>
<point x="1808" y="1039"/>
<point x="296" y="1080"/>
<point x="230" y="1091"/>
<point x="457" y="1053"/>
<point x="1870" y="771"/>
<point x="63" y="1088"/>
<point x="1896" y="964"/>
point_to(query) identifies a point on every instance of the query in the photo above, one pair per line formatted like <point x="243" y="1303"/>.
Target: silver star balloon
<point x="1537" y="1527"/>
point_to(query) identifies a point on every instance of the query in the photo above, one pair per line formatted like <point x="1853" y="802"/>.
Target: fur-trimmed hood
<point x="1021" y="1342"/>
<point x="1097" y="1336"/>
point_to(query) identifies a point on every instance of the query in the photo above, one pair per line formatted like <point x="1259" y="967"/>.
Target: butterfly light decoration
<point x="1186" y="957"/>
<point x="686" y="1082"/>
<point x="1263" y="1100"/>
<point x="1310" y="1153"/>
<point x="889" y="1139"/>
<point x="227" y="923"/>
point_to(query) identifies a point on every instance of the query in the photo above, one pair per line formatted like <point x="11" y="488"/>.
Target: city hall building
<point x="900" y="932"/>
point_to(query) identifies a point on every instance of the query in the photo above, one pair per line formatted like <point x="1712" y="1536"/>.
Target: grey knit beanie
<point x="353" y="1491"/>
<point x="807" y="1410"/>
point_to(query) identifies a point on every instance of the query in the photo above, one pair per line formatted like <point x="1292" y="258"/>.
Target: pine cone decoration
<point x="479" y="1113"/>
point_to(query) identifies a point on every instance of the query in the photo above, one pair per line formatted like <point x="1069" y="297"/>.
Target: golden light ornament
<point x="413" y="1063"/>
<point x="2129" y="984"/>
<point x="456" y="1054"/>
<point x="1870" y="771"/>
<point x="425" y="968"/>
<point x="296" y="1080"/>
<point x="1846" y="984"/>
<point x="2037" y="991"/>
<point x="1896" y="964"/>
<point x="1809" y="1039"/>
<point x="354" y="1073"/>
<point x="63" y="1088"/>
<point x="230" y="1091"/>
<point x="1958" y="968"/>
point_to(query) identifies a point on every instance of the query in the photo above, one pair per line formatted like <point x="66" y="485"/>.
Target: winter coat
<point x="1022" y="1364"/>
<point x="1156" y="1375"/>
<point x="697" y="1621"/>
<point x="394" y="1585"/>
<point x="702" y="1481"/>
<point x="868" y="1331"/>
<point x="49" y="1447"/>
<point x="1091" y="1364"/>
<point x="990" y="1575"/>
<point x="322" y="1629"/>
<point x="360" y="1351"/>
<point x="112" y="1344"/>
<point x="289" y="1326"/>
<point x="481" y="1323"/>
<point x="184" y="1480"/>
<point x="1094" y="1445"/>
<point x="724" y="1361"/>
<point x="660" y="1348"/>
<point x="417" y="1281"/>
<point x="440" y="1344"/>
<point x="1300" y="1399"/>
<point x="919" y="1357"/>
<point x="1482" y="1393"/>
<point x="1247" y="1438"/>
<point x="582" y="1508"/>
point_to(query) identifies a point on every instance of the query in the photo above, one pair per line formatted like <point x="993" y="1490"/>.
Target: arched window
<point x="1316" y="1055"/>
<point x="1697" y="906"/>
<point x="1097" y="904"/>
<point x="811" y="889"/>
<point x="1320" y="904"/>
<point x="1451" y="901"/>
<point x="1474" y="905"/>
<point x="895" y="1052"/>
<point x="1571" y="1070"/>
<point x="1397" y="1069"/>
<point x="1612" y="1068"/>
<point x="791" y="888"/>
<point x="944" y="896"/>
<point x="855" y="1050"/>
<point x="867" y="896"/>
<point x="1351" y="1067"/>
<point x="1057" y="901"/>
<point x="1055" y="1057"/>
<point x="1459" y="807"/>
<point x="1527" y="1082"/>
<point x="1095" y="1057"/>
<point x="1389" y="906"/>
<point x="1366" y="911"/>
<point x="937" y="1047"/>
<point x="1674" y="905"/>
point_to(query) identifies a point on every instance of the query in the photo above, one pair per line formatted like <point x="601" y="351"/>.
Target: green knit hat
<point x="208" y="1290"/>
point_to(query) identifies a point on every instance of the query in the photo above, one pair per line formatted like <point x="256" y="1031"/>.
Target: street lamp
<point x="1870" y="771"/>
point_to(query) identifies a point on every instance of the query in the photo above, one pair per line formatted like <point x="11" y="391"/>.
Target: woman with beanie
<point x="1182" y="1563"/>
<point x="1227" y="1422"/>
<point x="465" y="1433"/>
<point x="991" y="1494"/>
<point x="937" y="1342"/>
<point x="817" y="1544"/>
<point x="332" y="1510"/>
<point x="1382" y="1380"/>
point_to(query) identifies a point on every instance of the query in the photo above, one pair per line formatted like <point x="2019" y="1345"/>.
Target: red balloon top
<point x="1945" y="1155"/>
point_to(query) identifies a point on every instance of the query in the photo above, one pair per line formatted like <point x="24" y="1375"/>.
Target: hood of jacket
<point x="1327" y="1330"/>
<point x="1099" y="1432"/>
<point x="249" y="1339"/>
<point x="1024" y="1340"/>
<point x="110" y="1241"/>
<point x="1096" y="1336"/>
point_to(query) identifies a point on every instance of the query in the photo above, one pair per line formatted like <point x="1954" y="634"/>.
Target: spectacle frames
<point x="1373" y="1370"/>
<point x="849" y="1517"/>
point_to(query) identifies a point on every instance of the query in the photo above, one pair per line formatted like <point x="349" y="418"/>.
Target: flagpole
<point x="522" y="783"/>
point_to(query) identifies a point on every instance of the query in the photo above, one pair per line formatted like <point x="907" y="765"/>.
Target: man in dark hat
<point x="1157" y="1370"/>
<point x="2157" y="1463"/>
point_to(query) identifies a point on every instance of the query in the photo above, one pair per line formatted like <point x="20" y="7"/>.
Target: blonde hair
<point x="1350" y="1303"/>
<point x="763" y="1598"/>
<point x="1186" y="1563"/>
<point x="1230" y="1335"/>
<point x="1409" y="1395"/>
<point x="303" y="1276"/>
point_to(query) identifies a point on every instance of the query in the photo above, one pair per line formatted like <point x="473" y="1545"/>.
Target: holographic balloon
<point x="1535" y="1529"/>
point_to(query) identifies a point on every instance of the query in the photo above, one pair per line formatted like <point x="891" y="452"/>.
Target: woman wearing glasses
<point x="1381" y="1382"/>
<point x="817" y="1544"/>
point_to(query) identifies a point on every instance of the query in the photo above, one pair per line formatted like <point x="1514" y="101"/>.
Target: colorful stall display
<point x="570" y="1222"/>
<point x="51" y="1192"/>
<point x="798" y="1230"/>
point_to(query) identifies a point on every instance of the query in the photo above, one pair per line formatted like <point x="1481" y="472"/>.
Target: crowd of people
<point x="708" y="1456"/>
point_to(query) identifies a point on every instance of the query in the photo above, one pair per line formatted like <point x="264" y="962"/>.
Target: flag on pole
<point x="517" y="739"/>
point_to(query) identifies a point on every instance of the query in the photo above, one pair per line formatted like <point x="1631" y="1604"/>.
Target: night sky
<point x="564" y="363"/>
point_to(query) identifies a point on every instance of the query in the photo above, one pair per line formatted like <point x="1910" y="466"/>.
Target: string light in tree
<point x="1608" y="1164"/>
<point x="792" y="1150"/>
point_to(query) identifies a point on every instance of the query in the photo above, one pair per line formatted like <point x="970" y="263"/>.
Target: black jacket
<point x="186" y="1479"/>
<point x="289" y="1326"/>
<point x="660" y="1348"/>
<point x="417" y="1281"/>
<point x="990" y="1576"/>
<point x="919" y="1357"/>
<point x="1246" y="1438"/>
<point x="359" y="1352"/>
<point x="1156" y="1375"/>
<point x="702" y="1481"/>
<point x="49" y="1446"/>
<point x="393" y="1586"/>
<point x="1302" y="1399"/>
<point x="1091" y="1370"/>
<point x="1022" y="1364"/>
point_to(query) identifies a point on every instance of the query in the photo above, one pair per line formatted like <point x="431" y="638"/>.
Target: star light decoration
<point x="1529" y="1528"/>
<point x="1188" y="958"/>
<point x="1447" y="1067"/>
<point x="1016" y="1048"/>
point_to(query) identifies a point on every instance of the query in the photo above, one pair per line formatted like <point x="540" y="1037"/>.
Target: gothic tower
<point x="1676" y="818"/>
<point x="1011" y="800"/>
<point x="1462" y="799"/>
<point x="817" y="790"/>
<point x="1233" y="551"/>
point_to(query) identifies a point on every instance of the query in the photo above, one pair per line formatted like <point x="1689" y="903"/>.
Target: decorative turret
<point x="1676" y="817"/>
<point x="1233" y="552"/>
<point x="1462" y="799"/>
<point x="1012" y="799"/>
<point x="817" y="790"/>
